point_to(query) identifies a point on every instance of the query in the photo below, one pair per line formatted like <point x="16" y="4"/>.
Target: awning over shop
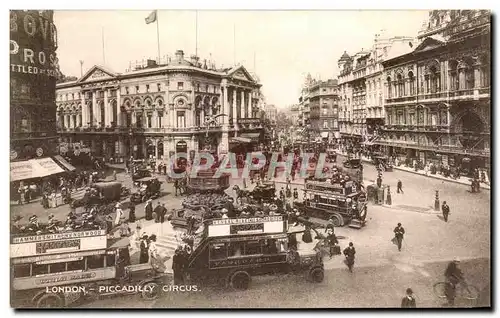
<point x="66" y="165"/>
<point x="324" y="134"/>
<point x="251" y="136"/>
<point x="241" y="140"/>
<point x="35" y="168"/>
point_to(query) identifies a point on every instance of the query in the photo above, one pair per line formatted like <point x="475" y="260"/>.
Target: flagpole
<point x="234" y="43"/>
<point x="158" y="34"/>
<point x="103" y="54"/>
<point x="196" y="36"/>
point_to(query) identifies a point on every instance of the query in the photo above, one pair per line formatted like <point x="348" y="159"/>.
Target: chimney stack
<point x="179" y="56"/>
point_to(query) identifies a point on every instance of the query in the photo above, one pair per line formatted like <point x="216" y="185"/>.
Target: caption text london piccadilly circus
<point x="254" y="161"/>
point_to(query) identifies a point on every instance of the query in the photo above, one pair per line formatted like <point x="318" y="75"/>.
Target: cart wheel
<point x="50" y="301"/>
<point x="240" y="280"/>
<point x="151" y="291"/>
<point x="338" y="220"/>
<point x="316" y="275"/>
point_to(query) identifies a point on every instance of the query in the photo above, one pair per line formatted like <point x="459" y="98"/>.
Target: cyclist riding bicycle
<point x="453" y="276"/>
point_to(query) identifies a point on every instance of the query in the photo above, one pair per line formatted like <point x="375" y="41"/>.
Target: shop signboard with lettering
<point x="23" y="246"/>
<point x="246" y="226"/>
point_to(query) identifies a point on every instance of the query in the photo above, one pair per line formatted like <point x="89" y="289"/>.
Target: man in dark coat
<point x="148" y="210"/>
<point x="131" y="213"/>
<point x="144" y="252"/>
<point x="399" y="233"/>
<point x="157" y="212"/>
<point x="15" y="228"/>
<point x="349" y="253"/>
<point x="295" y="194"/>
<point x="446" y="211"/>
<point x="178" y="264"/>
<point x="408" y="301"/>
<point x="400" y="186"/>
<point x="163" y="212"/>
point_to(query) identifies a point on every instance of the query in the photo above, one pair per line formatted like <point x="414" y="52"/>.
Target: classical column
<point x="78" y="120"/>
<point x="156" y="148"/>
<point x="85" y="116"/>
<point x="225" y="104"/>
<point x="172" y="116"/>
<point x="94" y="108"/>
<point x="118" y="108"/>
<point x="477" y="73"/>
<point x="235" y="108"/>
<point x="168" y="111"/>
<point x="134" y="119"/>
<point x="154" y="119"/>
<point x="242" y="104"/>
<point x="65" y="121"/>
<point x="248" y="111"/>
<point x="106" y="108"/>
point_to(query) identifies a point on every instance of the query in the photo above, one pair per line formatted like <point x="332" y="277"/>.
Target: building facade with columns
<point x="157" y="111"/>
<point x="437" y="97"/>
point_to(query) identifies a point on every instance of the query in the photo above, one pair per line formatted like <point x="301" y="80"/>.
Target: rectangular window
<point x="160" y="117"/>
<point x="57" y="267"/>
<point x="335" y="124"/>
<point x="325" y="111"/>
<point x="147" y="88"/>
<point x="22" y="270"/>
<point x="325" y="124"/>
<point x="76" y="265"/>
<point x="218" y="251"/>
<point x="150" y="120"/>
<point x="95" y="261"/>
<point x="159" y="87"/>
<point x="253" y="248"/>
<point x="181" y="119"/>
<point x="180" y="86"/>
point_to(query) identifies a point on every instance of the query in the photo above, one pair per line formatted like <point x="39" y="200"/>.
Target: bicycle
<point x="462" y="290"/>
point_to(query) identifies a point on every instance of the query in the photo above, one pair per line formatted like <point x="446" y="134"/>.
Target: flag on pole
<point x="151" y="17"/>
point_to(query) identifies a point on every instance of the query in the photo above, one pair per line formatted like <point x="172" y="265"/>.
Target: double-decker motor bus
<point x="56" y="270"/>
<point x="343" y="203"/>
<point x="232" y="250"/>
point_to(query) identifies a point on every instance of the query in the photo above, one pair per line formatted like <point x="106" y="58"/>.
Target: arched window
<point x="469" y="75"/>
<point x="400" y="85"/>
<point x="435" y="79"/>
<point x="411" y="80"/>
<point x="453" y="75"/>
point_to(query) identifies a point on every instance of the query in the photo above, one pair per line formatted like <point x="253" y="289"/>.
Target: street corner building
<point x="33" y="74"/>
<point x="437" y="94"/>
<point x="156" y="110"/>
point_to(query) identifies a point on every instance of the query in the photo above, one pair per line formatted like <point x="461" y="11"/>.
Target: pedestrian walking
<point x="399" y="233"/>
<point x="178" y="265"/>
<point x="408" y="301"/>
<point x="157" y="212"/>
<point x="131" y="213"/>
<point x="349" y="253"/>
<point x="446" y="211"/>
<point x="114" y="175"/>
<point x="119" y="213"/>
<point x="148" y="210"/>
<point x="400" y="186"/>
<point x="144" y="249"/>
<point x="163" y="212"/>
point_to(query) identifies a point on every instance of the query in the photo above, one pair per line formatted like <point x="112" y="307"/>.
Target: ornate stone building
<point x="323" y="105"/>
<point x="157" y="111"/>
<point x="437" y="97"/>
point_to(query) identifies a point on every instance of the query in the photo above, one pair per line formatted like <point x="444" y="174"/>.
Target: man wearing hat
<point x="33" y="225"/>
<point x="52" y="224"/>
<point x="408" y="301"/>
<point x="148" y="210"/>
<point x="399" y="232"/>
<point x="15" y="228"/>
<point x="144" y="249"/>
<point x="157" y="212"/>
<point x="349" y="253"/>
<point x="453" y="276"/>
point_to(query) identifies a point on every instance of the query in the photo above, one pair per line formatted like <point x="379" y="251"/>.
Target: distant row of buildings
<point x="425" y="98"/>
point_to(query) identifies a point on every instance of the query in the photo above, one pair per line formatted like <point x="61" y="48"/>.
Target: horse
<point x="240" y="193"/>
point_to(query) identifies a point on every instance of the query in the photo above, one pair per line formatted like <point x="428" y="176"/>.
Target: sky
<point x="282" y="47"/>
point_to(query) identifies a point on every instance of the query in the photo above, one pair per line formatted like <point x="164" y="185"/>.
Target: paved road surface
<point x="366" y="287"/>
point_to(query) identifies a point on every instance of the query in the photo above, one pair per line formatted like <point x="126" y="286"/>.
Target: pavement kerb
<point x="482" y="186"/>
